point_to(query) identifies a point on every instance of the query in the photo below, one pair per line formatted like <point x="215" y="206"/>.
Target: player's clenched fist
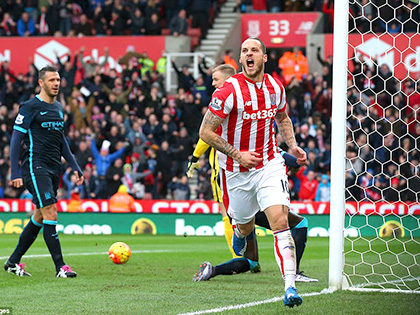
<point x="192" y="165"/>
<point x="17" y="183"/>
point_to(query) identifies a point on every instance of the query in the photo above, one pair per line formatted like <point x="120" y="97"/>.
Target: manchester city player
<point x="40" y="125"/>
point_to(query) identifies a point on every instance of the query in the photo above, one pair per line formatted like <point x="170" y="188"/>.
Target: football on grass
<point x="119" y="253"/>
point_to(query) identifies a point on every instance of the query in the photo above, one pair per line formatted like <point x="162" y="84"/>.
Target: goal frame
<point x="338" y="147"/>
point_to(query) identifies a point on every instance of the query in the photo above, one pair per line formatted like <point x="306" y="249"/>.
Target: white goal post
<point x="375" y="140"/>
<point x="338" y="145"/>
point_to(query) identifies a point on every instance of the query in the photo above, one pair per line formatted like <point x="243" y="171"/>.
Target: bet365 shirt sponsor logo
<point x="259" y="114"/>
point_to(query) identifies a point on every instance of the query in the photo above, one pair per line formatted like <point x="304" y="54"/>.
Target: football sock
<point x="236" y="265"/>
<point x="26" y="239"/>
<point x="299" y="234"/>
<point x="284" y="251"/>
<point x="228" y="235"/>
<point x="53" y="243"/>
<point x="252" y="247"/>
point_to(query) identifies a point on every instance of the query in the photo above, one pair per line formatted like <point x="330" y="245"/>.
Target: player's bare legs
<point x="38" y="215"/>
<point x="284" y="251"/>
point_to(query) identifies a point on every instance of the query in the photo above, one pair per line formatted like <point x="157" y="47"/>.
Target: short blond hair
<point x="226" y="69"/>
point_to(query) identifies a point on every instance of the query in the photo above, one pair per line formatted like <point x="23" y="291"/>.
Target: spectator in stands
<point x="83" y="155"/>
<point x="323" y="192"/>
<point x="200" y="89"/>
<point x="327" y="67"/>
<point x="185" y="79"/>
<point x="146" y="64"/>
<point x="152" y="6"/>
<point x="166" y="129"/>
<point x="68" y="70"/>
<point x="113" y="177"/>
<point x="294" y="65"/>
<point x="103" y="160"/>
<point x="7" y="25"/>
<point x="75" y="205"/>
<point x="82" y="112"/>
<point x="69" y="179"/>
<point x="200" y="11"/>
<point x="179" y="24"/>
<point x="14" y="7"/>
<point x="328" y="10"/>
<point x="26" y="25"/>
<point x="181" y="149"/>
<point x="325" y="160"/>
<point x="137" y="23"/>
<point x="161" y="63"/>
<point x="121" y="201"/>
<point x="83" y="28"/>
<point x="313" y="162"/>
<point x="42" y="26"/>
<point x="324" y="104"/>
<point x="206" y="74"/>
<point x="66" y="10"/>
<point x="163" y="169"/>
<point x="171" y="9"/>
<point x="229" y="60"/>
<point x="53" y="17"/>
<point x="129" y="178"/>
<point x="116" y="24"/>
<point x="308" y="184"/>
<point x="99" y="21"/>
<point x="275" y="6"/>
<point x="117" y="96"/>
<point x="91" y="186"/>
<point x="190" y="110"/>
<point x="179" y="188"/>
<point x="150" y="128"/>
<point x="90" y="64"/>
<point x="154" y="25"/>
<point x="204" y="189"/>
<point x="272" y="64"/>
<point x="243" y="6"/>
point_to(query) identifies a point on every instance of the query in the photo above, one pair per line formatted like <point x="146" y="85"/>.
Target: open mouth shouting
<point x="250" y="63"/>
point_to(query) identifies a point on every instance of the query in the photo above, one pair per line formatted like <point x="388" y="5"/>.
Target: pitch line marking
<point x="100" y="253"/>
<point x="251" y="304"/>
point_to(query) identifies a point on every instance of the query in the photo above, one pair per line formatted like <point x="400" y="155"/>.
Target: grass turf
<point x="158" y="280"/>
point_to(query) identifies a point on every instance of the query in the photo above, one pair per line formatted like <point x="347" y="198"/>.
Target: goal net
<point x="382" y="146"/>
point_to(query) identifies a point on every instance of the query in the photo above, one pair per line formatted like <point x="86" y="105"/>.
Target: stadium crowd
<point x="133" y="17"/>
<point x="125" y="129"/>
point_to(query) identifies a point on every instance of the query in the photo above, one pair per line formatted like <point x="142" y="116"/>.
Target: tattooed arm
<point x="286" y="129"/>
<point x="287" y="134"/>
<point x="207" y="133"/>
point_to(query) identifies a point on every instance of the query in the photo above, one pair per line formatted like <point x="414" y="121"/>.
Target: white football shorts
<point x="250" y="192"/>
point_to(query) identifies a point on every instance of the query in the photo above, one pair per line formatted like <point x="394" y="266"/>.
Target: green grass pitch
<point x="158" y="280"/>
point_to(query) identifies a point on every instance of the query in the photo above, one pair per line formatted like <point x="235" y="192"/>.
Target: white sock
<point x="285" y="253"/>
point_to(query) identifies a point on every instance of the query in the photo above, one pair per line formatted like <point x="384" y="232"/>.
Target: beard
<point x="50" y="91"/>
<point x="255" y="72"/>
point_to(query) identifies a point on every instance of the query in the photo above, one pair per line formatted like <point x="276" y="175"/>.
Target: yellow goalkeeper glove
<point x="192" y="164"/>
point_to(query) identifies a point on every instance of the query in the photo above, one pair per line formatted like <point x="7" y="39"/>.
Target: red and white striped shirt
<point x="248" y="109"/>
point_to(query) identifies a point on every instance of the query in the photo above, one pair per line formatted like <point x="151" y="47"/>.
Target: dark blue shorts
<point x="43" y="187"/>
